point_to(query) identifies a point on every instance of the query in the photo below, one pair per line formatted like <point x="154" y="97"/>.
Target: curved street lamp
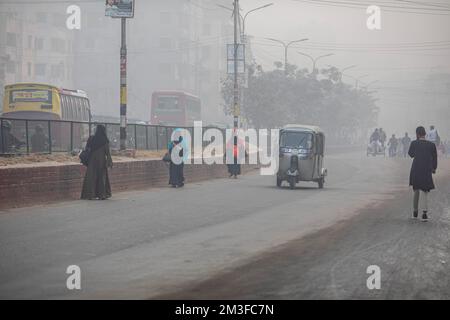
<point x="314" y="60"/>
<point x="286" y="47"/>
<point x="243" y="18"/>
<point x="342" y="71"/>
<point x="253" y="10"/>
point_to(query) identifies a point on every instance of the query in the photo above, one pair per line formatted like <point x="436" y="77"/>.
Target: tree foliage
<point x="275" y="98"/>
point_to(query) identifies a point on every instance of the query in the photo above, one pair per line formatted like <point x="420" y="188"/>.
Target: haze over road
<point x="163" y="242"/>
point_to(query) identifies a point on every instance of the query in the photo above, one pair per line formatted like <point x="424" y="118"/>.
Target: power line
<point x="359" y="6"/>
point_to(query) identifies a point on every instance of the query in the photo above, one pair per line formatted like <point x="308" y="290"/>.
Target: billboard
<point x="119" y="8"/>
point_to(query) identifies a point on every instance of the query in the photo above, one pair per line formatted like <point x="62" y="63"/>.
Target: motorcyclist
<point x="375" y="136"/>
<point x="375" y="140"/>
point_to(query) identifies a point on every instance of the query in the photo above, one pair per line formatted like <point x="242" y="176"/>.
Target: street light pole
<point x="253" y="10"/>
<point x="370" y="83"/>
<point x="235" y="91"/>
<point x="342" y="71"/>
<point x="286" y="47"/>
<point x="355" y="78"/>
<point x="314" y="60"/>
<point x="358" y="78"/>
<point x="123" y="87"/>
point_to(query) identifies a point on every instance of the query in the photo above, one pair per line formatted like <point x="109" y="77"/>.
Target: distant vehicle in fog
<point x="175" y="108"/>
<point x="35" y="101"/>
<point x="39" y="103"/>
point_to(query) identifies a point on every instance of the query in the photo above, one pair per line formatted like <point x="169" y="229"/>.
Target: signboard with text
<point x="119" y="8"/>
<point x="30" y="96"/>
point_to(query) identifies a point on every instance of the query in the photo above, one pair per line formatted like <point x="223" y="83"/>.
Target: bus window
<point x="63" y="107"/>
<point x="86" y="109"/>
<point x="71" y="108"/>
<point x="83" y="110"/>
<point x="78" y="109"/>
<point x="193" y="111"/>
<point x="168" y="104"/>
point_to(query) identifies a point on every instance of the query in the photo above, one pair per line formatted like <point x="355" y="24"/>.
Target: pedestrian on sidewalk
<point x="234" y="148"/>
<point x="423" y="167"/>
<point x="96" y="181"/>
<point x="176" y="170"/>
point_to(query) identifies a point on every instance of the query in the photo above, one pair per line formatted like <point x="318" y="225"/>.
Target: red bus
<point x="175" y="108"/>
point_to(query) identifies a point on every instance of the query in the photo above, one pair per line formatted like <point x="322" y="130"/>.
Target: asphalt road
<point x="413" y="258"/>
<point x="177" y="242"/>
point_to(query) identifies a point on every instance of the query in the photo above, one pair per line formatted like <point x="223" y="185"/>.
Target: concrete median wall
<point x="32" y="185"/>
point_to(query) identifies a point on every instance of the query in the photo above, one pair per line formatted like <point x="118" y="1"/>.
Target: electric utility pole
<point x="123" y="87"/>
<point x="236" y="88"/>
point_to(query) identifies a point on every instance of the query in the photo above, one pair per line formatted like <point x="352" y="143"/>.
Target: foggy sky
<point x="345" y="30"/>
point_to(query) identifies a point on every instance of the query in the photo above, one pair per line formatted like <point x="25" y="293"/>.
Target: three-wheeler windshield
<point x="296" y="139"/>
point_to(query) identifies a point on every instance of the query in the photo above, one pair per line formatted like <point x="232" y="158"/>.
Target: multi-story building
<point x="172" y="44"/>
<point x="35" y="45"/>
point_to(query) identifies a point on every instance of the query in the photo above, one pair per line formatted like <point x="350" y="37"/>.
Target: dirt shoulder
<point x="62" y="158"/>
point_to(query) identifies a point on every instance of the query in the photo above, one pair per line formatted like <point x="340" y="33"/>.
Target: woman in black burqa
<point x="424" y="165"/>
<point x="96" y="181"/>
<point x="176" y="174"/>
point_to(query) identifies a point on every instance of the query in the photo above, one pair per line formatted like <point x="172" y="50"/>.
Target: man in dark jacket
<point x="424" y="165"/>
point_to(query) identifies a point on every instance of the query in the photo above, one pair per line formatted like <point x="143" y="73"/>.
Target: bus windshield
<point x="167" y="104"/>
<point x="293" y="139"/>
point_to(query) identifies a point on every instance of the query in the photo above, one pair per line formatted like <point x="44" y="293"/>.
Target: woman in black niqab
<point x="96" y="181"/>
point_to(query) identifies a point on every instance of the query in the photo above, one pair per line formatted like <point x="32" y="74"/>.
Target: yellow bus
<point x="35" y="101"/>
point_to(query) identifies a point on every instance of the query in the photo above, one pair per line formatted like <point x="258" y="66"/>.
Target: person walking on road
<point x="433" y="136"/>
<point x="423" y="167"/>
<point x="406" y="141"/>
<point x="392" y="144"/>
<point x="96" y="181"/>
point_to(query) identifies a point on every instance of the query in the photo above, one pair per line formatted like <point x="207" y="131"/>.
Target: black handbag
<point x="84" y="156"/>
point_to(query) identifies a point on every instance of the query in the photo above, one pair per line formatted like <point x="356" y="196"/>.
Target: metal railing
<point x="23" y="136"/>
